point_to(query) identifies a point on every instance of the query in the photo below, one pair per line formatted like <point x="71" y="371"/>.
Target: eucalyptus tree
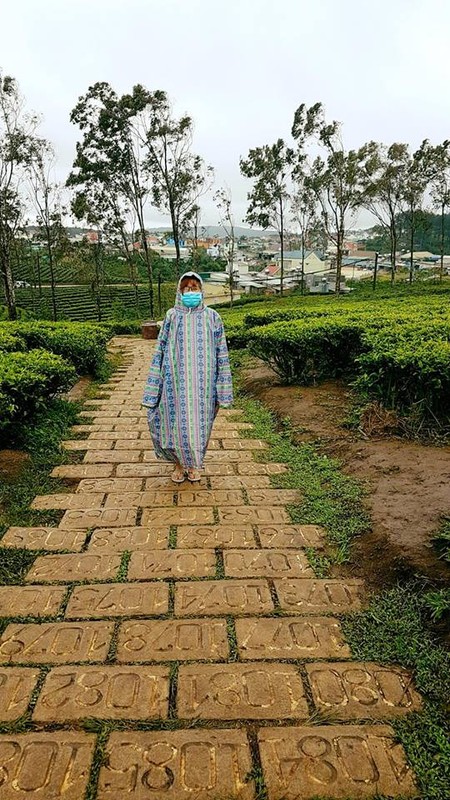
<point x="334" y="178"/>
<point x="304" y="211"/>
<point x="440" y="192"/>
<point x="16" y="130"/>
<point x="224" y="203"/>
<point x="179" y="176"/>
<point x="270" y="168"/>
<point x="421" y="170"/>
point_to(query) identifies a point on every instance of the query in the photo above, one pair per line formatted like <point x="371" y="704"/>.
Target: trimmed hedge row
<point x="27" y="381"/>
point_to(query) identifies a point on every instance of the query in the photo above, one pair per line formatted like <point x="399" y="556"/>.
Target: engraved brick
<point x="45" y="765"/>
<point x="215" y="536"/>
<point x="163" y="483"/>
<point x="362" y="690"/>
<point x="182" y="765"/>
<point x="240" y="481"/>
<point x="208" y="498"/>
<point x="177" y="516"/>
<point x="223" y="597"/>
<point x="219" y="469"/>
<point x="244" y="444"/>
<point x="253" y="515"/>
<point x="265" y="563"/>
<point x="149" y="456"/>
<point x="60" y="500"/>
<point x="225" y="433"/>
<point x="103" y="692"/>
<point x="172" y="564"/>
<point x="55" y="642"/>
<point x="172" y="640"/>
<point x="76" y="567"/>
<point x="254" y="468"/>
<point x="32" y="601"/>
<point x="229" y="456"/>
<point x="77" y="471"/>
<point x="111" y="456"/>
<point x="116" y="540"/>
<point x="114" y="436"/>
<point x="291" y="536"/>
<point x="139" y="499"/>
<point x="110" y="485"/>
<point x="85" y="444"/>
<point x="138" y="444"/>
<point x="118" y="600"/>
<point x="16" y="687"/>
<point x="101" y="517"/>
<point x="334" y="761"/>
<point x="142" y="470"/>
<point x="291" y="637"/>
<point x="44" y="539"/>
<point x="276" y="497"/>
<point x="240" y="691"/>
<point x="320" y="596"/>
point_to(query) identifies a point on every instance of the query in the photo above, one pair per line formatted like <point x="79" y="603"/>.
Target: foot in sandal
<point x="178" y="474"/>
<point x="194" y="475"/>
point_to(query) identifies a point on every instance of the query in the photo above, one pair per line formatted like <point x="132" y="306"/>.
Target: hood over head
<point x="178" y="301"/>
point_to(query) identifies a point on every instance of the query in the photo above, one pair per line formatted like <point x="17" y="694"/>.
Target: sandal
<point x="194" y="475"/>
<point x="178" y="474"/>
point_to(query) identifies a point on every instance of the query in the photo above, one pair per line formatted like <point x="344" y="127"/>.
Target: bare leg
<point x="178" y="473"/>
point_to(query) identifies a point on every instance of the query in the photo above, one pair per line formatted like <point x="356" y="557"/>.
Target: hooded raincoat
<point x="189" y="376"/>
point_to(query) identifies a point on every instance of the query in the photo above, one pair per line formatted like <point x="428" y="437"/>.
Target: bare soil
<point x="408" y="484"/>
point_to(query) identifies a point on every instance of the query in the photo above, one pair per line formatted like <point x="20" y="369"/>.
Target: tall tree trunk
<point x="52" y="273"/>
<point x="176" y="236"/>
<point x="302" y="290"/>
<point x="282" y="246"/>
<point x="411" y="259"/>
<point x="340" y="243"/>
<point x="441" y="271"/>
<point x="8" y="286"/>
<point x="394" y="251"/>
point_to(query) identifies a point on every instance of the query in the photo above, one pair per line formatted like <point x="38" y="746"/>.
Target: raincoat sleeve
<point x="153" y="386"/>
<point x="224" y="386"/>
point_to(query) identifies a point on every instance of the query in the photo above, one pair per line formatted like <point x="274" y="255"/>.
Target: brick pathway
<point x="194" y="610"/>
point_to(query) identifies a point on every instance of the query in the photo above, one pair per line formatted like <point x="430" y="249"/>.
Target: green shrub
<point x="10" y="341"/>
<point x="27" y="381"/>
<point x="81" y="343"/>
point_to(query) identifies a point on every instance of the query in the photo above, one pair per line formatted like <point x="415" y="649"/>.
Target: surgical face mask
<point x="191" y="299"/>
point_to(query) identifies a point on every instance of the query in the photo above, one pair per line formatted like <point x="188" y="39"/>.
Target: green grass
<point x="441" y="539"/>
<point x="394" y="630"/>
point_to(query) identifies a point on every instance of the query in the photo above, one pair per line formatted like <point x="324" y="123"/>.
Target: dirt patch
<point x="12" y="462"/>
<point x="408" y="484"/>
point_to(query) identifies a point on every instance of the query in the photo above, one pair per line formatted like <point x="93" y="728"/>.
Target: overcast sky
<point x="240" y="68"/>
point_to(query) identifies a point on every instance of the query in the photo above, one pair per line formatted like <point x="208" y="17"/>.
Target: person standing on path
<point x="189" y="380"/>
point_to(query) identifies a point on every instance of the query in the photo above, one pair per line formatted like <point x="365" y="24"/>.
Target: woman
<point x="189" y="380"/>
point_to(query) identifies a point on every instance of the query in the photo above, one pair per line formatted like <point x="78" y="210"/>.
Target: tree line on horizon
<point x="132" y="151"/>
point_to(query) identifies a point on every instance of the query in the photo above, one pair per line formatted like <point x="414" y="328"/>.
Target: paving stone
<point x="103" y="692"/>
<point x="83" y="428"/>
<point x="254" y="468"/>
<point x="163" y="483"/>
<point x="76" y="567"/>
<point x="320" y="596"/>
<point x="222" y="423"/>
<point x="99" y="517"/>
<point x="118" y="600"/>
<point x="208" y="498"/>
<point x="114" y="436"/>
<point x="172" y="640"/>
<point x="30" y="601"/>
<point x="273" y="497"/>
<point x="240" y="481"/>
<point x="223" y="597"/>
<point x="45" y="766"/>
<point x="253" y="515"/>
<point x="76" y="471"/>
<point x="111" y="456"/>
<point x="110" y="485"/>
<point x="16" y="687"/>
<point x="180" y="765"/>
<point x="215" y="536"/>
<point x="291" y="637"/>
<point x="291" y="536"/>
<point x="244" y="444"/>
<point x="334" y="761"/>
<point x="149" y="456"/>
<point x="139" y="499"/>
<point x="225" y="433"/>
<point x="84" y="444"/>
<point x="172" y="564"/>
<point x="219" y="469"/>
<point x="229" y="456"/>
<point x="142" y="470"/>
<point x="116" y="540"/>
<point x="177" y="516"/>
<point x="240" y="691"/>
<point x="265" y="563"/>
<point x="55" y="642"/>
<point x="44" y="539"/>
<point x="362" y="690"/>
<point x="73" y="501"/>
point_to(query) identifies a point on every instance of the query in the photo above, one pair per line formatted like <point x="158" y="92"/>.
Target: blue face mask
<point x="191" y="299"/>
